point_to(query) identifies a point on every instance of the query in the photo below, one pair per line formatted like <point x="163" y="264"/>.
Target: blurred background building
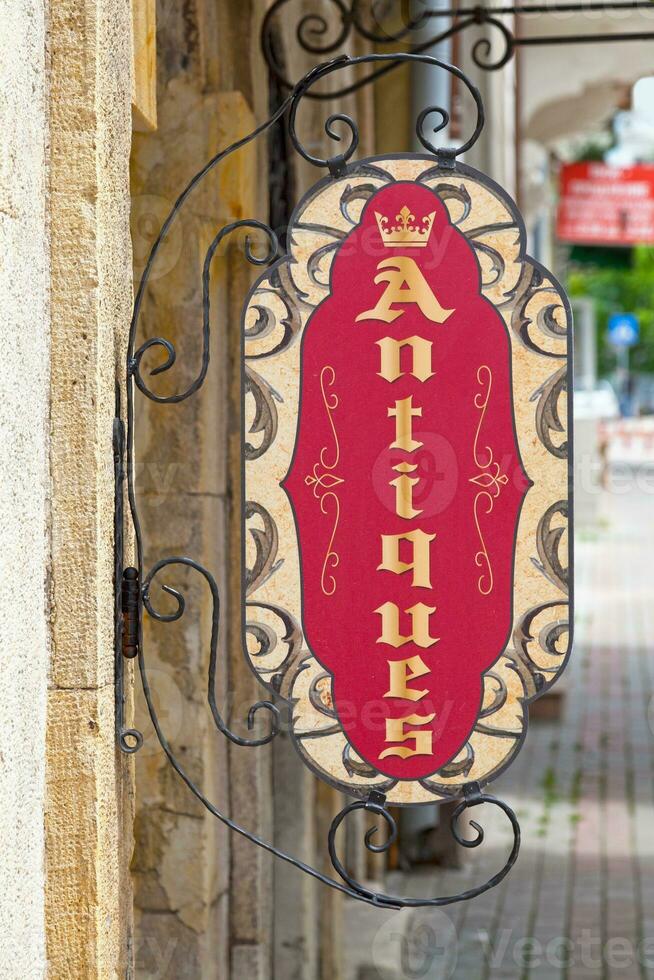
<point x="112" y="869"/>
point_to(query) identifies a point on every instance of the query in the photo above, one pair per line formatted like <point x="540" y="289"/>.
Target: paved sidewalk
<point x="580" y="901"/>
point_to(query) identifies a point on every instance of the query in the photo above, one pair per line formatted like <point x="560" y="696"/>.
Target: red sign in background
<point x="602" y="205"/>
<point x="468" y="496"/>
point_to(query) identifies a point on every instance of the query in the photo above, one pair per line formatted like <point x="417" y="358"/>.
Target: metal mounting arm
<point x="133" y="598"/>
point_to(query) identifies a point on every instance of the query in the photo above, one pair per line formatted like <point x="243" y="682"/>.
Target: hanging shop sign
<point x="602" y="205"/>
<point x="406" y="479"/>
<point x="406" y="472"/>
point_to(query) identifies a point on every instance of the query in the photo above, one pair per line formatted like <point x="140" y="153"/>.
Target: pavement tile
<point x="585" y="875"/>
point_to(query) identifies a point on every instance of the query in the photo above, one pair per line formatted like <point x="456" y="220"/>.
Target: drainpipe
<point x="429" y="85"/>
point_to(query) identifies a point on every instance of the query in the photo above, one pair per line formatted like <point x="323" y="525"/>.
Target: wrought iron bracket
<point x="321" y="36"/>
<point x="126" y="594"/>
<point x="133" y="585"/>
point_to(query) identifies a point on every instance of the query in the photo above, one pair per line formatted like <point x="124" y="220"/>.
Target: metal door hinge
<point x="130" y="610"/>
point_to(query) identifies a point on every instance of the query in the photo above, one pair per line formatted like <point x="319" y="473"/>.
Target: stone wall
<point x="24" y="547"/>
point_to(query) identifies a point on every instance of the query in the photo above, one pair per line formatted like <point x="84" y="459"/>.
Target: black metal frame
<point x="316" y="36"/>
<point x="133" y="585"/>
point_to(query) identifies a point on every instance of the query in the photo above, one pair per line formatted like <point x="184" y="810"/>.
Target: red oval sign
<point x="406" y="484"/>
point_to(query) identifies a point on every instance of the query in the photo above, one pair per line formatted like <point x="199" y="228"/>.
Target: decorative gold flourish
<point x="490" y="479"/>
<point x="331" y="558"/>
<point x="323" y="481"/>
<point x="481" y="402"/>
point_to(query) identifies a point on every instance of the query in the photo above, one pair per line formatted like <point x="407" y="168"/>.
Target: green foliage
<point x="620" y="290"/>
<point x="596" y="148"/>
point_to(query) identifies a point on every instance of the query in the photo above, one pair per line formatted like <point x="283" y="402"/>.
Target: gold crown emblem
<point x="407" y="232"/>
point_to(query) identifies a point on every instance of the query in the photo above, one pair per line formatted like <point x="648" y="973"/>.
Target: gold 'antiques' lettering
<point x="420" y="563"/>
<point x="419" y="614"/>
<point x="406" y="284"/>
<point x="404" y="414"/>
<point x="403" y="671"/>
<point x="391" y="351"/>
<point x="404" y="485"/>
<point x="395" y="732"/>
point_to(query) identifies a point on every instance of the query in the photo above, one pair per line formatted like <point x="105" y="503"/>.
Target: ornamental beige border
<point x="538" y="320"/>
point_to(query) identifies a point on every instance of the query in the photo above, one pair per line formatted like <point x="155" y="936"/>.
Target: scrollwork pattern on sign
<point x="548" y="414"/>
<point x="460" y="766"/>
<point x="265" y="419"/>
<point x="320" y="694"/>
<point x="276" y="666"/>
<point x="548" y="542"/>
<point x="499" y="694"/>
<point x="357" y="192"/>
<point x="265" y="541"/>
<point x="273" y="319"/>
<point x="536" y="636"/>
<point x="539" y="315"/>
<point x="451" y="192"/>
<point x="355" y="766"/>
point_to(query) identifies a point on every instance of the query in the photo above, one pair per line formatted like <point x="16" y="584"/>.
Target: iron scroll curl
<point x="375" y="804"/>
<point x="324" y="31"/>
<point x="337" y="163"/>
<point x="315" y="35"/>
<point x="130" y="740"/>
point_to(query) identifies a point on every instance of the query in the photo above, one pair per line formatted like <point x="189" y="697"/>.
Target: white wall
<point x="569" y="88"/>
<point x="24" y="548"/>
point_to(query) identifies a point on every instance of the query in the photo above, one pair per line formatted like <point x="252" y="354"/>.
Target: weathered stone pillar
<point x="87" y="825"/>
